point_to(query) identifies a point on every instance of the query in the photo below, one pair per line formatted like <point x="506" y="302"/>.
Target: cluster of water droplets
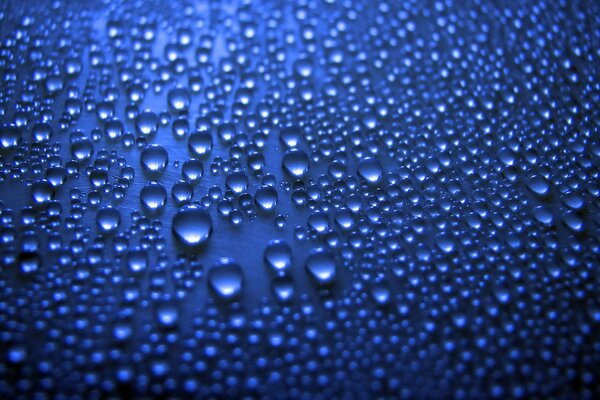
<point x="300" y="199"/>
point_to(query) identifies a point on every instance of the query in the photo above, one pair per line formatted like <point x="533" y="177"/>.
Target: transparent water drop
<point x="153" y="196"/>
<point x="108" y="219"/>
<point x="295" y="163"/>
<point x="226" y="279"/>
<point x="278" y="255"/>
<point x="192" y="226"/>
<point x="10" y="136"/>
<point x="179" y="99"/>
<point x="370" y="170"/>
<point x="266" y="198"/>
<point x="200" y="143"/>
<point x="321" y="266"/>
<point x="237" y="182"/>
<point x="146" y="123"/>
<point x="137" y="261"/>
<point x="154" y="158"/>
<point x="283" y="288"/>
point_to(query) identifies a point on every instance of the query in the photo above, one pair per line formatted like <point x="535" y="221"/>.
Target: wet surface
<point x="312" y="199"/>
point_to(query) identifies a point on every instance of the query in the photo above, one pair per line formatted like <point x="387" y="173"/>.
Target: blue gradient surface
<point x="308" y="199"/>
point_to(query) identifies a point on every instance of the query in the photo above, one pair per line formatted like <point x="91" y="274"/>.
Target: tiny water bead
<point x="192" y="226"/>
<point x="226" y="279"/>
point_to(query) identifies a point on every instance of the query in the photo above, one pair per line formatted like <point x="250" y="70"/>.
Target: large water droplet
<point x="108" y="219"/>
<point x="370" y="170"/>
<point x="226" y="278"/>
<point x="278" y="255"/>
<point x="192" y="226"/>
<point x="295" y="162"/>
<point x="154" y="158"/>
<point x="321" y="266"/>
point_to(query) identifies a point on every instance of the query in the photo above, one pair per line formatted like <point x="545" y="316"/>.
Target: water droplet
<point x="146" y="123"/>
<point x="226" y="278"/>
<point x="278" y="255"/>
<point x="321" y="266"/>
<point x="266" y="198"/>
<point x="295" y="163"/>
<point x="370" y="170"/>
<point x="153" y="196"/>
<point x="154" y="158"/>
<point x="108" y="219"/>
<point x="192" y="226"/>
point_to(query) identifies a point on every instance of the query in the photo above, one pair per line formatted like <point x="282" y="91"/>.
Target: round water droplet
<point x="10" y="136"/>
<point x="82" y="149"/>
<point x="137" y="260"/>
<point x="321" y="266"/>
<point x="237" y="182"/>
<point x="295" y="162"/>
<point x="370" y="170"/>
<point x="179" y="99"/>
<point x="42" y="191"/>
<point x="154" y="158"/>
<point x="192" y="226"/>
<point x="192" y="170"/>
<point x="167" y="314"/>
<point x="182" y="192"/>
<point x="290" y="136"/>
<point x="266" y="198"/>
<point x="226" y="278"/>
<point x="200" y="143"/>
<point x="146" y="123"/>
<point x="278" y="255"/>
<point x="283" y="288"/>
<point x="153" y="196"/>
<point x="108" y="219"/>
